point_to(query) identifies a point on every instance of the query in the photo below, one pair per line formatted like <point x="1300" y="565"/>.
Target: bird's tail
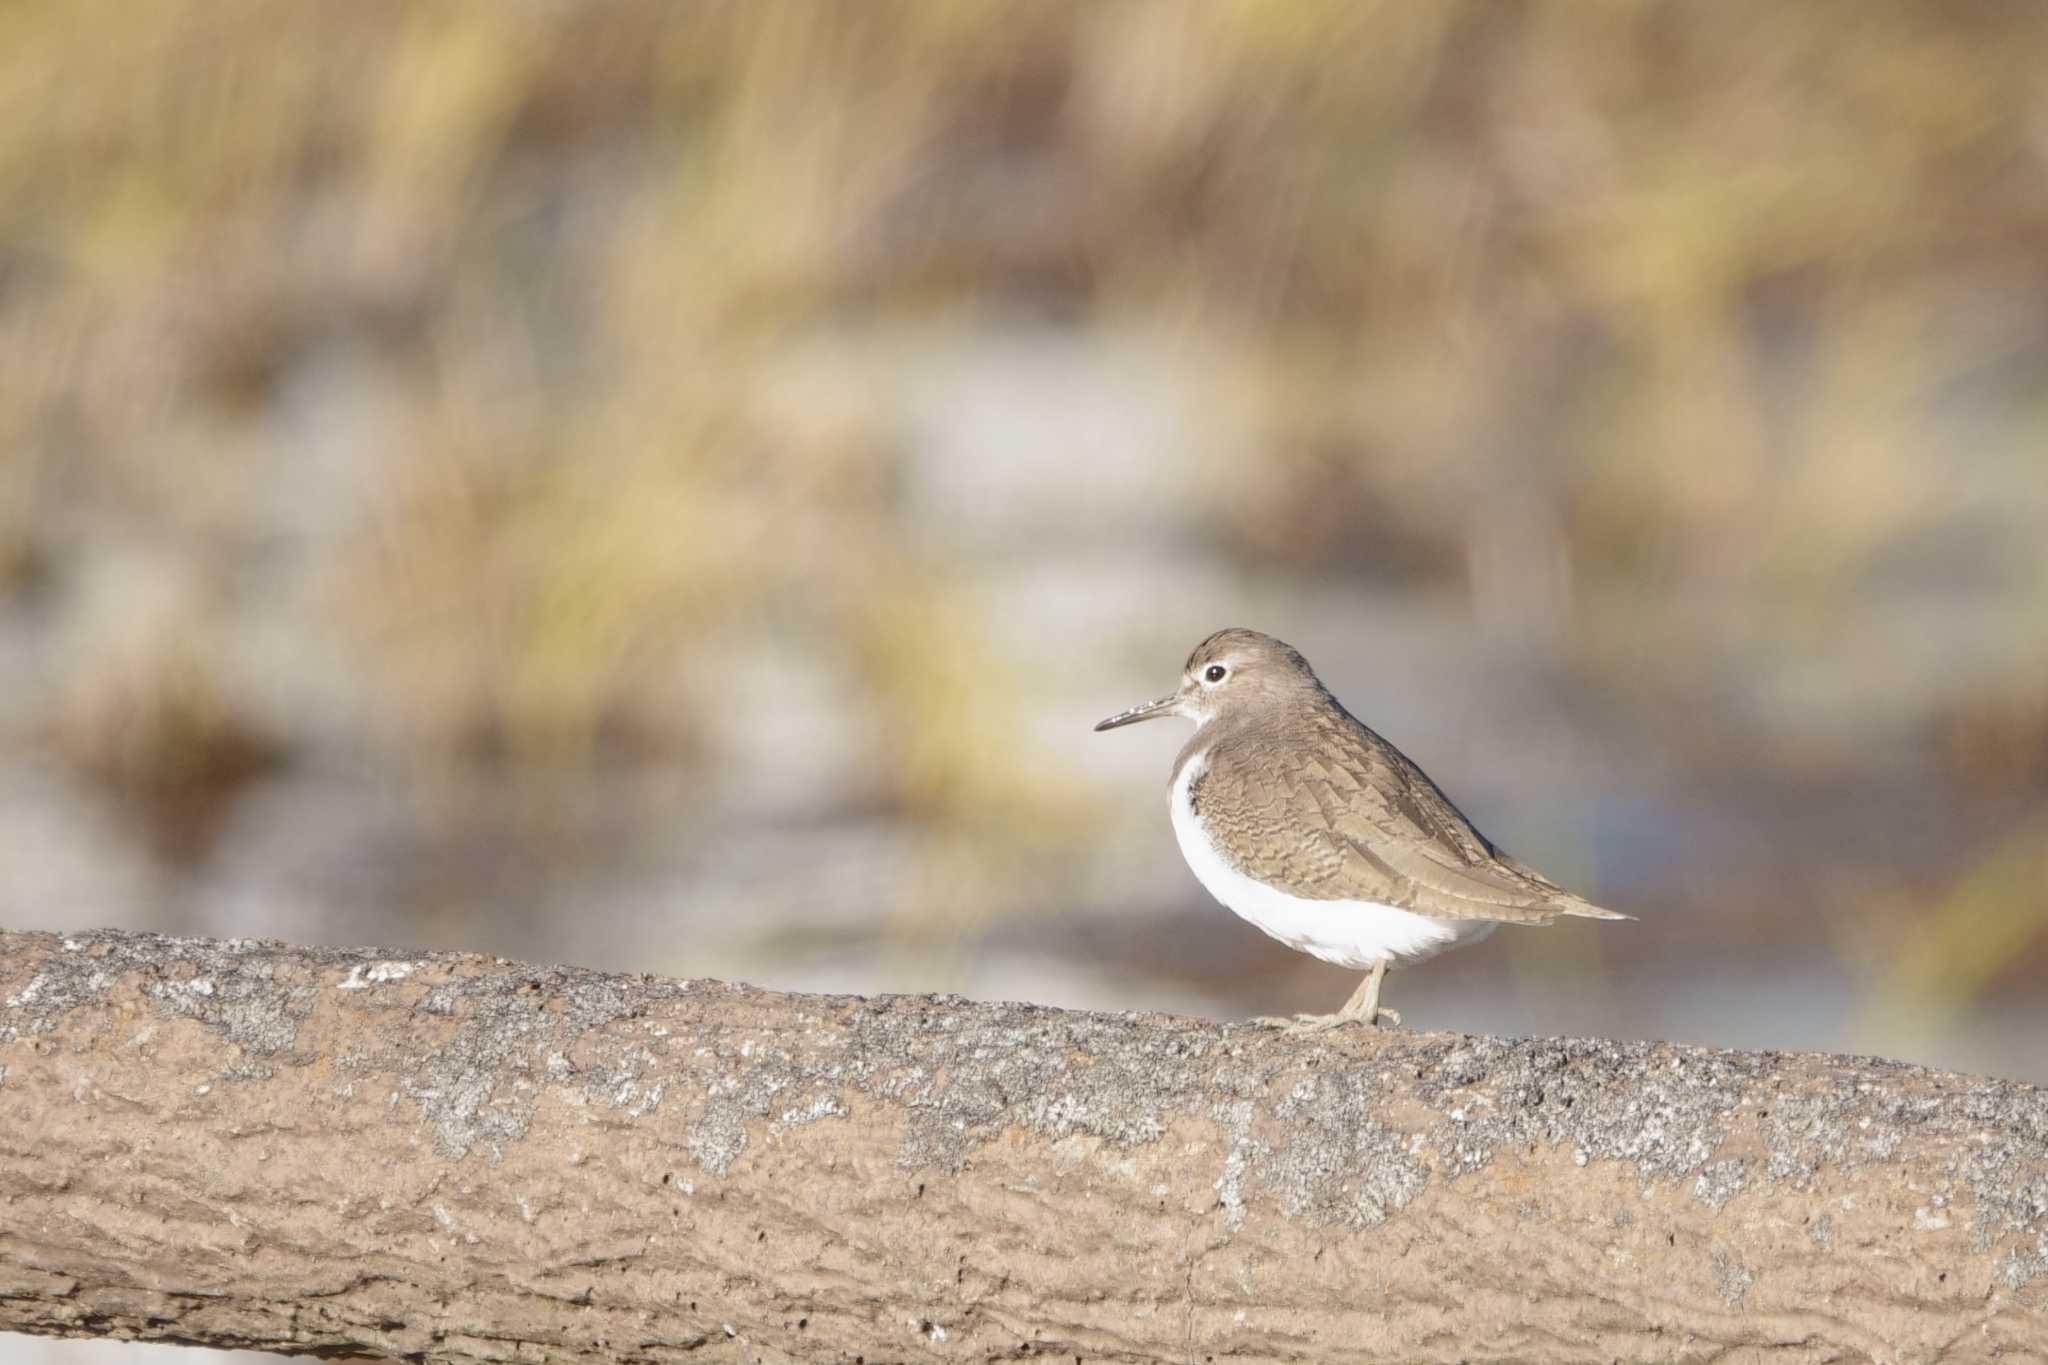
<point x="1587" y="910"/>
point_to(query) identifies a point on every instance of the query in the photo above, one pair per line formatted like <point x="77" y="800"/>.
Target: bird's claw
<point x="1300" y="1024"/>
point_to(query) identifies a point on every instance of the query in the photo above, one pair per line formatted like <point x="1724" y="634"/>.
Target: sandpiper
<point x="1300" y="819"/>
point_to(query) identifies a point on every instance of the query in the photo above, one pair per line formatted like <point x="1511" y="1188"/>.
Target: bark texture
<point x="460" y="1158"/>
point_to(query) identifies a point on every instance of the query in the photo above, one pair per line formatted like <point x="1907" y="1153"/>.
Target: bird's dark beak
<point x="1151" y="710"/>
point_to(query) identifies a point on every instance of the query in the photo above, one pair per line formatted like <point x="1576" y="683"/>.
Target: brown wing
<point x="1359" y="821"/>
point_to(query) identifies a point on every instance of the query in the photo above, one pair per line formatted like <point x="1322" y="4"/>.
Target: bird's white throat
<point x="1349" y="933"/>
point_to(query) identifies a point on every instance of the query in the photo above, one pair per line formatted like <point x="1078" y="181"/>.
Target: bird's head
<point x="1232" y="668"/>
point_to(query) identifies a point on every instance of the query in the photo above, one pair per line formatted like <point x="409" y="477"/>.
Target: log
<point x="450" y="1157"/>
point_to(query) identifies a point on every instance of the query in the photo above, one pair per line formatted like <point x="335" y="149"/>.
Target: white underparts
<point x="1352" y="934"/>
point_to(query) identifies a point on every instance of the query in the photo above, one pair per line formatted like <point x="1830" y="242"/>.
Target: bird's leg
<point x="1363" y="1007"/>
<point x="1365" y="1001"/>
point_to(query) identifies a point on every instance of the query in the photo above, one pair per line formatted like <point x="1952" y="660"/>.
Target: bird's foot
<point x="1300" y="1024"/>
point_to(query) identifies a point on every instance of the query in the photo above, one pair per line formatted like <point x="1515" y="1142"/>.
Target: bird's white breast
<point x="1352" y="934"/>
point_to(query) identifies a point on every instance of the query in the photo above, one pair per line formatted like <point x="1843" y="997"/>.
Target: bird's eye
<point x="1215" y="673"/>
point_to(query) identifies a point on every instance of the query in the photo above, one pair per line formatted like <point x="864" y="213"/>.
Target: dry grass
<point x="432" y="359"/>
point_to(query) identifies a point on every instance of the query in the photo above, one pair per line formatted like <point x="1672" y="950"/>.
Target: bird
<point x="1301" y="819"/>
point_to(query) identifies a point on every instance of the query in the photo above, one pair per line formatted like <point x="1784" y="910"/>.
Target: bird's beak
<point x="1151" y="710"/>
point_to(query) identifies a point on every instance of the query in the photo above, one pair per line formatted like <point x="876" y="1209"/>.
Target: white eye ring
<point x="1213" y="674"/>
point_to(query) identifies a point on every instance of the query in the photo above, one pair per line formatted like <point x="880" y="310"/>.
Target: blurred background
<point x="669" y="487"/>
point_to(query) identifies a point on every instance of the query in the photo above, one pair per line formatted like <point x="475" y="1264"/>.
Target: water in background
<point x="670" y="488"/>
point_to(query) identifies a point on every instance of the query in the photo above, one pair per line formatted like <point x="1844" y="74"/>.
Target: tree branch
<point x="459" y="1158"/>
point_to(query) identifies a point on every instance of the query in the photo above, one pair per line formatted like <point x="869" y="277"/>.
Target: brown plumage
<point x="1308" y="824"/>
<point x="1299" y="793"/>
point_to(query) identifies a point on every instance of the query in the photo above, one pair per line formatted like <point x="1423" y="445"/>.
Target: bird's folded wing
<point x="1397" y="840"/>
<point x="1442" y="886"/>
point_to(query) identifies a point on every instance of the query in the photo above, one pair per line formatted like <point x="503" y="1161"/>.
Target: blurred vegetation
<point x="465" y="387"/>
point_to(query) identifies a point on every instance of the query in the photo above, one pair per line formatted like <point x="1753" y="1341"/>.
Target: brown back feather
<point x="1308" y="797"/>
